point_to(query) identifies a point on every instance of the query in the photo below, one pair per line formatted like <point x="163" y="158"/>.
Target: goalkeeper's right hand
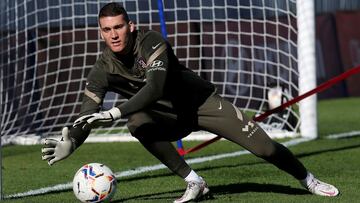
<point x="56" y="150"/>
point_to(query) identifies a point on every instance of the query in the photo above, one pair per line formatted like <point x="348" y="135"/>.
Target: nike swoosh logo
<point x="133" y="86"/>
<point x="156" y="46"/>
<point x="220" y="107"/>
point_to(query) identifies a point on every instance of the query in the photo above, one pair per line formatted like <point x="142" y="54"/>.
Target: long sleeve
<point x="92" y="100"/>
<point x="154" y="51"/>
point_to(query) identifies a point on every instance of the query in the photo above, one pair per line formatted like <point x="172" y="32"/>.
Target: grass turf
<point x="237" y="179"/>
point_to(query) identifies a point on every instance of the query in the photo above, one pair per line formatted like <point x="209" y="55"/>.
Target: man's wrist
<point x="115" y="113"/>
<point x="78" y="135"/>
<point x="73" y="144"/>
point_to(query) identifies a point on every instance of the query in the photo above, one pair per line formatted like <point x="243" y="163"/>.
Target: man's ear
<point x="132" y="26"/>
<point x="102" y="37"/>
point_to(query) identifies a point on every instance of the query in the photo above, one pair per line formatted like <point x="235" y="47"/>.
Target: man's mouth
<point x="116" y="43"/>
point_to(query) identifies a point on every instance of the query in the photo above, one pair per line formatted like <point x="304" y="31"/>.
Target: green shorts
<point x="216" y="115"/>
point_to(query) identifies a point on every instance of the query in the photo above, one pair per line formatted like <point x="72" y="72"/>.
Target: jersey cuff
<point x="115" y="113"/>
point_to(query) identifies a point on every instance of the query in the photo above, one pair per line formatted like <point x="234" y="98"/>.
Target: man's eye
<point x="106" y="30"/>
<point x="117" y="27"/>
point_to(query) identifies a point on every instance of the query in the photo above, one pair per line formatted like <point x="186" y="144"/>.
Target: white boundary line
<point x="343" y="135"/>
<point x="143" y="169"/>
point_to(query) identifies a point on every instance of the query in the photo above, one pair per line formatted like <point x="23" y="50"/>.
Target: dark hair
<point x="113" y="9"/>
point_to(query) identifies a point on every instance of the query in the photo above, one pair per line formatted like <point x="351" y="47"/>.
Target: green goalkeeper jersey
<point x="150" y="77"/>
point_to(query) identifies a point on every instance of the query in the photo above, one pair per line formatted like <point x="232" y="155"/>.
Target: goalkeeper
<point x="166" y="102"/>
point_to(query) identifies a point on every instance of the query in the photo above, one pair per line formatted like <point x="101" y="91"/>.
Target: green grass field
<point x="236" y="179"/>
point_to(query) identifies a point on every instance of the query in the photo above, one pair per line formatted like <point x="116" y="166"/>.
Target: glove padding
<point x="55" y="150"/>
<point x="98" y="119"/>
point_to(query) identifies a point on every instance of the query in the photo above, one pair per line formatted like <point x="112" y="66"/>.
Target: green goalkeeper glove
<point x="55" y="150"/>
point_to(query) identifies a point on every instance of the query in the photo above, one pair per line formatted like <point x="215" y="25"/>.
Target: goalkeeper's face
<point x="117" y="33"/>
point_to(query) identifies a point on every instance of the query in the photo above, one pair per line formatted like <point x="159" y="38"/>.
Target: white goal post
<point x="248" y="49"/>
<point x="307" y="66"/>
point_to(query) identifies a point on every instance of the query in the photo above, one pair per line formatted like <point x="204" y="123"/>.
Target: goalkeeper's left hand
<point x="98" y="119"/>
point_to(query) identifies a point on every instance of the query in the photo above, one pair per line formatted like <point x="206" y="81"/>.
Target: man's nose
<point x="114" y="34"/>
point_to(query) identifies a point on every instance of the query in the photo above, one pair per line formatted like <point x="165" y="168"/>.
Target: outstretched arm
<point x="56" y="150"/>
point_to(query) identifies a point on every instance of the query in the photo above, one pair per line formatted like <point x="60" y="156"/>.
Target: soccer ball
<point x="94" y="182"/>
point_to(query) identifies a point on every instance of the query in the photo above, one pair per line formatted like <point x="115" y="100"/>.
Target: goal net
<point x="248" y="49"/>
